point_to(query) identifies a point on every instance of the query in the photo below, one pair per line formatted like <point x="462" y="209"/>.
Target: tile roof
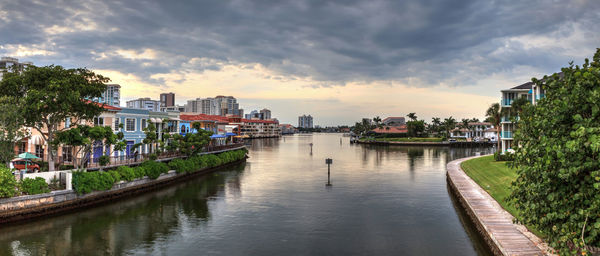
<point x="107" y="107"/>
<point x="220" y="119"/>
<point x="393" y="129"/>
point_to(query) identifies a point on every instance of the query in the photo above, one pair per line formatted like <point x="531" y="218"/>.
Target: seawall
<point x="21" y="208"/>
<point x="493" y="223"/>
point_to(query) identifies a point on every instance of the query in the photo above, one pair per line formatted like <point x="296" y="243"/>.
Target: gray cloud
<point x="333" y="42"/>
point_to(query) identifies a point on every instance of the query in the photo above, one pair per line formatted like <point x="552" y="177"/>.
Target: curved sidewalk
<point x="493" y="222"/>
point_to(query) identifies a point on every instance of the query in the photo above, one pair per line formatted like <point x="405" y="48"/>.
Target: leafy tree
<point x="494" y="115"/>
<point x="435" y="125"/>
<point x="558" y="185"/>
<point x="192" y="143"/>
<point x="84" y="138"/>
<point x="52" y="94"/>
<point x="151" y="137"/>
<point x="11" y="127"/>
<point x="415" y="128"/>
<point x="8" y="183"/>
<point x="517" y="107"/>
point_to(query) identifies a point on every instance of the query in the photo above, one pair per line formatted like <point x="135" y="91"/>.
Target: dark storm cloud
<point x="332" y="42"/>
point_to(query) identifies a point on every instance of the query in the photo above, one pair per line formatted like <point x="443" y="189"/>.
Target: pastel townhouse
<point x="134" y="122"/>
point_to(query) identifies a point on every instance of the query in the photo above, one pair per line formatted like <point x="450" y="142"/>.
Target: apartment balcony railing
<point x="507" y="102"/>
<point x="506" y="135"/>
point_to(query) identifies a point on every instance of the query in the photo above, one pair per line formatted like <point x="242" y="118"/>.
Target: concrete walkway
<point x="493" y="222"/>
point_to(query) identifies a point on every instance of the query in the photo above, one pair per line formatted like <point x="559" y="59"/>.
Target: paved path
<point x="495" y="224"/>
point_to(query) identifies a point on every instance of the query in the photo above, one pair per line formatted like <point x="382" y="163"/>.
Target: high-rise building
<point x="305" y="121"/>
<point x="220" y="105"/>
<point x="167" y="99"/>
<point x="227" y="105"/>
<point x="144" y="103"/>
<point x="8" y="64"/>
<point x="266" y="114"/>
<point x="111" y="96"/>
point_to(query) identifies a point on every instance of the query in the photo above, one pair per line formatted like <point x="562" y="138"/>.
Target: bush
<point x="8" y="183"/>
<point x="153" y="157"/>
<point x="139" y="172"/>
<point x="211" y="160"/>
<point x="127" y="173"/>
<point x="115" y="175"/>
<point x="104" y="160"/>
<point x="34" y="186"/>
<point x="507" y="156"/>
<point x="179" y="165"/>
<point x="154" y="169"/>
<point x="86" y="182"/>
<point x="66" y="167"/>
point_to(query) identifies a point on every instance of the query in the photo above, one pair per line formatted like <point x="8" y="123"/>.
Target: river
<point x="384" y="201"/>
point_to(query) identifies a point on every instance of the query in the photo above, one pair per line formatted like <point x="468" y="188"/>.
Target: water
<point x="384" y="201"/>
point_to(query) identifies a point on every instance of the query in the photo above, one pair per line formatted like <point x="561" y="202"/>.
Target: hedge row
<point x="86" y="182"/>
<point x="206" y="161"/>
<point x="9" y="186"/>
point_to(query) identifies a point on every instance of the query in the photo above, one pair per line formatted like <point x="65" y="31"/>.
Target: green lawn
<point x="495" y="178"/>
<point x="411" y="139"/>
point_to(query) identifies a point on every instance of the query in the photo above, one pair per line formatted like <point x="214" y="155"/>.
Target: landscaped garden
<point x="413" y="139"/>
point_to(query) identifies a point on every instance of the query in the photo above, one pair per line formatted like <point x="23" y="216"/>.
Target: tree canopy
<point x="558" y="187"/>
<point x="52" y="94"/>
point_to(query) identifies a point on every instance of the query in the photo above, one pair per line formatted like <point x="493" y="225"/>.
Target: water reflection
<point x="385" y="200"/>
<point x="116" y="228"/>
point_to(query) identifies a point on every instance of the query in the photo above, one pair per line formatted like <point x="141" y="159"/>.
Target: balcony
<point x="506" y="135"/>
<point x="507" y="102"/>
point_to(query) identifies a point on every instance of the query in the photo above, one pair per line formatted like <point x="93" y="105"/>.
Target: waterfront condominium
<point x="10" y="64"/>
<point x="167" y="100"/>
<point x="305" y="121"/>
<point x="144" y="103"/>
<point x="531" y="92"/>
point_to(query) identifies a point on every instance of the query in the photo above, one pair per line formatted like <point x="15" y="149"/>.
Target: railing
<point x="506" y="135"/>
<point x="507" y="102"/>
<point x="137" y="159"/>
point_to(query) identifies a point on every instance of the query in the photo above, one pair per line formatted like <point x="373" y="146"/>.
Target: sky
<point x="339" y="61"/>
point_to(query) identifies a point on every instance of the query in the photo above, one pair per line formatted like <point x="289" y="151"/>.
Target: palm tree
<point x="435" y="124"/>
<point x="464" y="124"/>
<point x="449" y="124"/>
<point x="494" y="115"/>
<point x="412" y="116"/>
<point x="377" y="121"/>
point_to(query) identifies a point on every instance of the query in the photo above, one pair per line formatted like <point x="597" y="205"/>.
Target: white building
<point x="266" y="113"/>
<point x="394" y="121"/>
<point x="531" y="92"/>
<point x="220" y="106"/>
<point x="8" y="64"/>
<point x="111" y="96"/>
<point x="144" y="103"/>
<point x="305" y="121"/>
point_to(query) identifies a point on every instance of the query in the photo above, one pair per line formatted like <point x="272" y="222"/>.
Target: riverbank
<point x="33" y="206"/>
<point x="493" y="222"/>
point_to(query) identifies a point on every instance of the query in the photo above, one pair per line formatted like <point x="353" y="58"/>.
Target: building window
<point x="117" y="124"/>
<point x="98" y="121"/>
<point x="68" y="122"/>
<point x="39" y="151"/>
<point x="67" y="154"/>
<point x="183" y="129"/>
<point x="22" y="147"/>
<point x="144" y="124"/>
<point x="130" y="124"/>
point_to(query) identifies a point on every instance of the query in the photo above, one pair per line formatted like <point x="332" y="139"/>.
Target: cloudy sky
<point x="337" y="60"/>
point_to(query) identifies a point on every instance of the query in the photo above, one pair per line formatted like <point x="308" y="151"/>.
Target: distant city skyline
<point x="340" y="61"/>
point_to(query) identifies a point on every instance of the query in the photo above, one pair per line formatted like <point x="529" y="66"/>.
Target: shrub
<point x="34" y="186"/>
<point x="66" y="167"/>
<point x="127" y="173"/>
<point x="507" y="156"/>
<point x="153" y="157"/>
<point x="104" y="160"/>
<point x="86" y="182"/>
<point x="115" y="175"/>
<point x="139" y="172"/>
<point x="211" y="160"/>
<point x="154" y="169"/>
<point x="8" y="183"/>
<point x="179" y="165"/>
<point x="55" y="184"/>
